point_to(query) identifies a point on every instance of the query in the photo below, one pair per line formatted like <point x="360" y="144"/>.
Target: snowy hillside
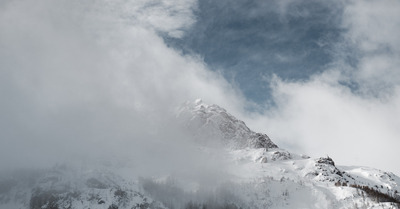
<point x="257" y="174"/>
<point x="67" y="187"/>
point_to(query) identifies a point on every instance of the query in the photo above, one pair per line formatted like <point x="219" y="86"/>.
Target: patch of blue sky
<point x="249" y="41"/>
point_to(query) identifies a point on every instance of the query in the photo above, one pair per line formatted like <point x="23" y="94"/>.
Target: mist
<point x="93" y="83"/>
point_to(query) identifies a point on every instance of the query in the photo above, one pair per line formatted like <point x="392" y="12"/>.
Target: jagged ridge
<point x="211" y="123"/>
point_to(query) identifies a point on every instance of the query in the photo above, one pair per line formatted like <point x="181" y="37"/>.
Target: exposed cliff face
<point x="212" y="124"/>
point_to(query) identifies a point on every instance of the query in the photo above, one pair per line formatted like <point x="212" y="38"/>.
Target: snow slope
<point x="68" y="187"/>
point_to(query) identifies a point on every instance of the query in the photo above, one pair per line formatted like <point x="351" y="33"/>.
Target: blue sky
<point x="248" y="41"/>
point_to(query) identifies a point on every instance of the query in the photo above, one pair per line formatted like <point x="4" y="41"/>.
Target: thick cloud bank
<point x="94" y="80"/>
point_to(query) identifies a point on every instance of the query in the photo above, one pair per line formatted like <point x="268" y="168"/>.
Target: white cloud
<point x="90" y="79"/>
<point x="95" y="80"/>
<point x="373" y="24"/>
<point x="319" y="119"/>
<point x="354" y="126"/>
<point x="372" y="27"/>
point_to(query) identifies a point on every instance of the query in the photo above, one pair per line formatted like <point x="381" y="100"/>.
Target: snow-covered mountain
<point x="68" y="187"/>
<point x="258" y="174"/>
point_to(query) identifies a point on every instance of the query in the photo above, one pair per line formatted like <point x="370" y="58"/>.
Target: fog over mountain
<point x="97" y="82"/>
<point x="89" y="79"/>
<point x="227" y="165"/>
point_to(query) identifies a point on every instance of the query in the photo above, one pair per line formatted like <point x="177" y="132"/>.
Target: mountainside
<point x="258" y="174"/>
<point x="67" y="187"/>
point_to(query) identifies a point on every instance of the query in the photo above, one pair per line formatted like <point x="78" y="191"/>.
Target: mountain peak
<point x="212" y="124"/>
<point x="198" y="101"/>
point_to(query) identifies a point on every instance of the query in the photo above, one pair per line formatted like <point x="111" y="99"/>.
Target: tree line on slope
<point x="374" y="194"/>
